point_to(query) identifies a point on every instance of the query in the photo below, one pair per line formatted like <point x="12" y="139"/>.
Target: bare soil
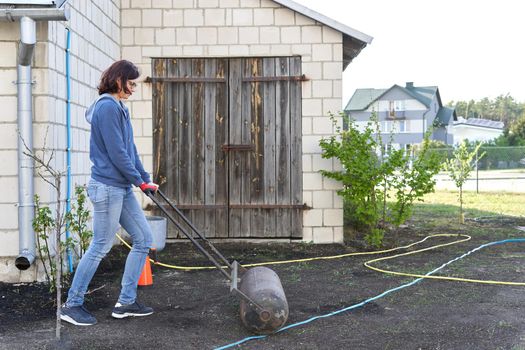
<point x="194" y="310"/>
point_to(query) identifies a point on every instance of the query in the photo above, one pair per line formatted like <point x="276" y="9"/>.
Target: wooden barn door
<point x="227" y="143"/>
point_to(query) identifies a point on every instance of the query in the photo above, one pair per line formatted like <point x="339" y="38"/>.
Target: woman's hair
<point x="121" y="70"/>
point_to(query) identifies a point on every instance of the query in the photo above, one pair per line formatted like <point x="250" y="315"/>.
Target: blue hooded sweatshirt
<point x="111" y="147"/>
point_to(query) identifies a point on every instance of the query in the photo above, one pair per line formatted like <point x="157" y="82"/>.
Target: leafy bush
<point x="373" y="171"/>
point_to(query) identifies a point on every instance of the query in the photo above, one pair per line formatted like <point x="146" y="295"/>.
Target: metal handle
<point x="190" y="237"/>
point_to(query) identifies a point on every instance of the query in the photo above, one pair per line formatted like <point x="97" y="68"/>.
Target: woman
<point x="116" y="167"/>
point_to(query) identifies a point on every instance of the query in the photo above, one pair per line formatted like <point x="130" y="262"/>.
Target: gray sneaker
<point x="77" y="315"/>
<point x="135" y="309"/>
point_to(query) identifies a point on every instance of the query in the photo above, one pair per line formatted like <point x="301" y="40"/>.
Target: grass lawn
<point x="475" y="204"/>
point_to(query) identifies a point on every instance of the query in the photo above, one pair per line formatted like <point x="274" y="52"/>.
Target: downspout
<point x="25" y="139"/>
<point x="27" y="18"/>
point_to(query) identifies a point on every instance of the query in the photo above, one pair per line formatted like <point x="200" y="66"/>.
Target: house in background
<point x="229" y="121"/>
<point x="405" y="111"/>
<point x="476" y="129"/>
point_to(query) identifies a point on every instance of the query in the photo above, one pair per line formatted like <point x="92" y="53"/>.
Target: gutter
<point x="26" y="46"/>
<point x="36" y="14"/>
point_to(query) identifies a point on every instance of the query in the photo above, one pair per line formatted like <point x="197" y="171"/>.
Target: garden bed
<point x="193" y="310"/>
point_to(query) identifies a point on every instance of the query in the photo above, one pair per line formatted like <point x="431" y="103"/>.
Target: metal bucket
<point x="158" y="226"/>
<point x="263" y="286"/>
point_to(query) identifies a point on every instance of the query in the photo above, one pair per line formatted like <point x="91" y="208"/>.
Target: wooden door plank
<point x="296" y="169"/>
<point x="221" y="160"/>
<point x="210" y="91"/>
<point x="159" y="127"/>
<point x="186" y="146"/>
<point x="235" y="137"/>
<point x="269" y="148"/>
<point x="245" y="139"/>
<point x="197" y="118"/>
<point x="282" y="132"/>
<point x="171" y="156"/>
<point x="256" y="158"/>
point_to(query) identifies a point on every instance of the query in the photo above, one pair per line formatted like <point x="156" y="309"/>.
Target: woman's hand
<point x="149" y="189"/>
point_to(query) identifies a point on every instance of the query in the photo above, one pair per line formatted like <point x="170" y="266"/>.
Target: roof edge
<point x="326" y="20"/>
<point x="478" y="126"/>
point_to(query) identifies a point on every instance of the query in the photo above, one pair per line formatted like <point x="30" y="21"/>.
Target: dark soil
<point x="194" y="310"/>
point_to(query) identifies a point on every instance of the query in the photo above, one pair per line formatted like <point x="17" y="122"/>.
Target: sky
<point x="470" y="49"/>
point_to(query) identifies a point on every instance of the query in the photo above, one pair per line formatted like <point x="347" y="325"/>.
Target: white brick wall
<point x="258" y="28"/>
<point x="95" y="43"/>
<point x="101" y="33"/>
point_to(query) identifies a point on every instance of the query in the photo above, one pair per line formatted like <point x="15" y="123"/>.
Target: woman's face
<point x="131" y="85"/>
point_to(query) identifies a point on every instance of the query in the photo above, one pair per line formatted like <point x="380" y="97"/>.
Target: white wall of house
<point x="398" y="126"/>
<point x="383" y="105"/>
<point x="95" y="43"/>
<point x="474" y="133"/>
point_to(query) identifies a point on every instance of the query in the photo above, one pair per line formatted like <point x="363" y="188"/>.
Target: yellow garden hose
<point x="446" y="278"/>
<point x="368" y="263"/>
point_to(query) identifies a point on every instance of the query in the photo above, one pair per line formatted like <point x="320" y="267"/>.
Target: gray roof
<point x="446" y="115"/>
<point x="423" y="94"/>
<point x="353" y="40"/>
<point x="363" y="98"/>
<point x="484" y="123"/>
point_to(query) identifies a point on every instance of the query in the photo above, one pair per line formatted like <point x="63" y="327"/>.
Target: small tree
<point x="46" y="221"/>
<point x="459" y="168"/>
<point x="414" y="178"/>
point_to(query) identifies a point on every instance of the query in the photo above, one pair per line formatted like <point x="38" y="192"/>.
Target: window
<point x="399" y="105"/>
<point x="402" y="126"/>
<point x="395" y="107"/>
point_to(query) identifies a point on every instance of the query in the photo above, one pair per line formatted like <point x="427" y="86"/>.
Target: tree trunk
<point x="58" y="260"/>
<point x="461" y="215"/>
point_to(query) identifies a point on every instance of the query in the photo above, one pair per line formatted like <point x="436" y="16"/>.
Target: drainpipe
<point x="27" y="18"/>
<point x="25" y="128"/>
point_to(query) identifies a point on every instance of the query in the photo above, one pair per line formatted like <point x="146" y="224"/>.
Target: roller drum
<point x="263" y="286"/>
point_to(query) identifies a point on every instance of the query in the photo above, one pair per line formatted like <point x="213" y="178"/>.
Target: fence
<point x="499" y="169"/>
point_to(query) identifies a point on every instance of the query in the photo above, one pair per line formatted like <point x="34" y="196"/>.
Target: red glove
<point x="149" y="189"/>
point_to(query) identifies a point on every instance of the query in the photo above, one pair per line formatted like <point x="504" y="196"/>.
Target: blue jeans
<point x="113" y="206"/>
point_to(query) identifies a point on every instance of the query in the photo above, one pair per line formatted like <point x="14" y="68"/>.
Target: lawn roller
<point x="263" y="304"/>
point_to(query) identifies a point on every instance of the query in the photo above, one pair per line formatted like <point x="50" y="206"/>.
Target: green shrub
<point x="373" y="171"/>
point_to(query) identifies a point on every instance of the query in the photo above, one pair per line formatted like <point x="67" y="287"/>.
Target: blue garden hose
<point x="68" y="147"/>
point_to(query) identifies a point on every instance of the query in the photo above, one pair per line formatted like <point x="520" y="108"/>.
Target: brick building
<point x="281" y="50"/>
